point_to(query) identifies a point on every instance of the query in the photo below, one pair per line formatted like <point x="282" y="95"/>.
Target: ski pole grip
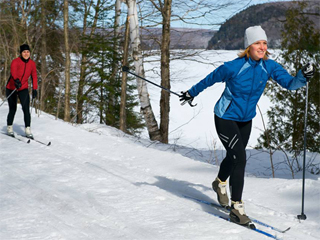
<point x="125" y="68"/>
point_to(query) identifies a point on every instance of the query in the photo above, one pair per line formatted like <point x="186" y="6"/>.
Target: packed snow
<point x="95" y="182"/>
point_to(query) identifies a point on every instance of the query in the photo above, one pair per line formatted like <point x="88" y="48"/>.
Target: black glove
<point x="185" y="97"/>
<point x="34" y="94"/>
<point x="17" y="83"/>
<point x="308" y="71"/>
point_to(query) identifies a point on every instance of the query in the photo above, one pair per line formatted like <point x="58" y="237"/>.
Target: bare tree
<point x="123" y="117"/>
<point x="165" y="8"/>
<point x="16" y="27"/>
<point x="88" y="30"/>
<point x="67" y="61"/>
<point x="146" y="109"/>
<point x="43" y="56"/>
<point x="155" y="13"/>
<point x="116" y="47"/>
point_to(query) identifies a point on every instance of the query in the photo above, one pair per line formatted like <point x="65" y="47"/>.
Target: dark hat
<point x="24" y="47"/>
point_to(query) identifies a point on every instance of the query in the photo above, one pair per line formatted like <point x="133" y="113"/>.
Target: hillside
<point x="270" y="16"/>
<point x="181" y="38"/>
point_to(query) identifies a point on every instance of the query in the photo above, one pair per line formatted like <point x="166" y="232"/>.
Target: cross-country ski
<point x="17" y="137"/>
<point x="36" y="140"/>
<point x="227" y="209"/>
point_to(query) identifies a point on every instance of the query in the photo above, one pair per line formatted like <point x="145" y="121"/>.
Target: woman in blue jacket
<point x="245" y="79"/>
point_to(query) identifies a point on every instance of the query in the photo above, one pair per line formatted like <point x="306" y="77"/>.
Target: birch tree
<point x="123" y="116"/>
<point x="146" y="109"/>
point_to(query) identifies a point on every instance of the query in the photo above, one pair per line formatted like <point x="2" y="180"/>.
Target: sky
<point x="213" y="21"/>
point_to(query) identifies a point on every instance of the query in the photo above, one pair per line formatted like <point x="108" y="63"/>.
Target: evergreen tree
<point x="300" y="45"/>
<point x="102" y="90"/>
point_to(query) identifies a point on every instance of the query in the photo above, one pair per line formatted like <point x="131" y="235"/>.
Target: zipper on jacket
<point x="254" y="76"/>
<point x="24" y="71"/>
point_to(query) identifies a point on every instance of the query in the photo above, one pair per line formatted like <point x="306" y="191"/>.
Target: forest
<point x="80" y="47"/>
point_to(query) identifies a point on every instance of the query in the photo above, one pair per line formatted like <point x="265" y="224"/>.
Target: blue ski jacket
<point x="245" y="81"/>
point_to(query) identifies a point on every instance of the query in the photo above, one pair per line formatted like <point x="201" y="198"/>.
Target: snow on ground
<point x="94" y="182"/>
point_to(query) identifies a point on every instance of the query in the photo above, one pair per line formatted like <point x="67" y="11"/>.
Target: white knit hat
<point x="253" y="34"/>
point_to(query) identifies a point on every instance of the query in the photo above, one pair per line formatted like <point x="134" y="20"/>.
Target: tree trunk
<point x="67" y="61"/>
<point x="123" y="116"/>
<point x="80" y="97"/>
<point x="165" y="71"/>
<point x="146" y="109"/>
<point x="110" y="118"/>
<point x="43" y="55"/>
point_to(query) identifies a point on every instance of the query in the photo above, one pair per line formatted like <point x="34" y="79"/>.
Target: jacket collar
<point x="254" y="62"/>
<point x="24" y="60"/>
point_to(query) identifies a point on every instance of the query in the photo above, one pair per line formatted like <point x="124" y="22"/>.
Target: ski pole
<point x="302" y="216"/>
<point x="8" y="97"/>
<point x="126" y="69"/>
<point x="32" y="104"/>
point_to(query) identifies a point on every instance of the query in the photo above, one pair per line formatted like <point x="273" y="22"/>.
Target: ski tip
<point x="286" y="230"/>
<point x="49" y="144"/>
<point x="251" y="226"/>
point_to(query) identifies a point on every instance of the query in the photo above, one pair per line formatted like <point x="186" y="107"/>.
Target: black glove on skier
<point x="17" y="83"/>
<point x="34" y="94"/>
<point x="308" y="71"/>
<point x="186" y="98"/>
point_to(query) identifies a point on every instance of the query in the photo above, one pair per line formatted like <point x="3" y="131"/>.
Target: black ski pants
<point x="25" y="103"/>
<point x="234" y="137"/>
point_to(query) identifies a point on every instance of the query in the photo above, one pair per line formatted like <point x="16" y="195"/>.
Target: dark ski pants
<point x="25" y="103"/>
<point x="234" y="137"/>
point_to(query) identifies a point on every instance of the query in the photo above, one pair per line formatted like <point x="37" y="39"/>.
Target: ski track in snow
<point x="94" y="182"/>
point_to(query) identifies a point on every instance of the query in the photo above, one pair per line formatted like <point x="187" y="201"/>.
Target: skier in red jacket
<point x="22" y="68"/>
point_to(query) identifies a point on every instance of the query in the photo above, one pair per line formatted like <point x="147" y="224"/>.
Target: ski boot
<point x="238" y="215"/>
<point x="28" y="133"/>
<point x="221" y="189"/>
<point x="10" y="131"/>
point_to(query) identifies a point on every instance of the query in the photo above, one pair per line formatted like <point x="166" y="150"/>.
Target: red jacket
<point x="22" y="70"/>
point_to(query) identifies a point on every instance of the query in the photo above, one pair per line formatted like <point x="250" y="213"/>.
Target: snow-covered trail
<point x="94" y="182"/>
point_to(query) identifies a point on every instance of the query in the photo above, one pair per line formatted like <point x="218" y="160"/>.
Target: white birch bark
<point x="152" y="125"/>
<point x="117" y="17"/>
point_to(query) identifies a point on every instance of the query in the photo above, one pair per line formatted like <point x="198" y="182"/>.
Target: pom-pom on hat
<point x="24" y="47"/>
<point x="253" y="34"/>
